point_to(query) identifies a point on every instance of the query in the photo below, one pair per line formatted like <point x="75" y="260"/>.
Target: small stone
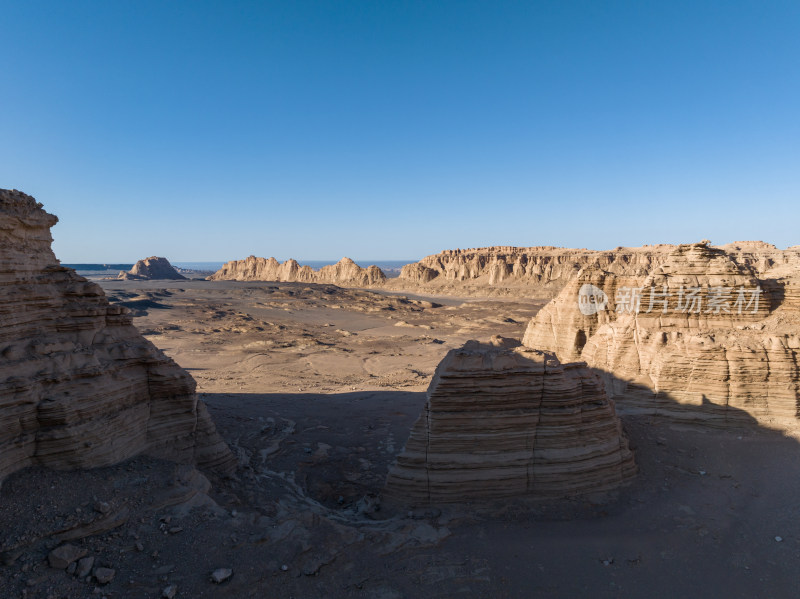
<point x="779" y="539"/>
<point x="284" y="567"/>
<point x="175" y="530"/>
<point x="61" y="557"/>
<point x="102" y="507"/>
<point x="220" y="575"/>
<point x="104" y="575"/>
<point x="170" y="592"/>
<point x="72" y="567"/>
<point x="139" y="546"/>
<point x="10" y="557"/>
<point x="85" y="567"/>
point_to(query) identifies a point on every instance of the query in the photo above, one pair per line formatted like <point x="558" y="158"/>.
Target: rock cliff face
<point x="345" y="273"/>
<point x="729" y="353"/>
<point x="538" y="271"/>
<point x="502" y="421"/>
<point x="152" y="268"/>
<point x="79" y="386"/>
<point x="542" y="272"/>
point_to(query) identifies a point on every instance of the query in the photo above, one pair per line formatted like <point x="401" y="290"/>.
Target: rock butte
<point x="502" y="421"/>
<point x="345" y="273"/>
<point x="708" y="366"/>
<point x="81" y="388"/>
<point x="152" y="268"/>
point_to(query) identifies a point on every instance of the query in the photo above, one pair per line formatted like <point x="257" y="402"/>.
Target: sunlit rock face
<point x="345" y="273"/>
<point x="708" y="337"/>
<point x="79" y="386"/>
<point x="539" y="271"/>
<point x="504" y="421"/>
<point x="152" y="268"/>
<point x="542" y="272"/>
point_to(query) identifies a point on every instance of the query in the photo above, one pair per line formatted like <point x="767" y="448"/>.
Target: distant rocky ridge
<point x="344" y="273"/>
<point x="535" y="272"/>
<point x="544" y="271"/>
<point x="714" y="362"/>
<point x="153" y="268"/>
<point x="502" y="421"/>
<point x="79" y="386"/>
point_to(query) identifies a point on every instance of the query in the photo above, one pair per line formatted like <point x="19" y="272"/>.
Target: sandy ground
<point x="316" y="389"/>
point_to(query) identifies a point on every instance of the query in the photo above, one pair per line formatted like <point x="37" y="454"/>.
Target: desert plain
<point x="315" y="388"/>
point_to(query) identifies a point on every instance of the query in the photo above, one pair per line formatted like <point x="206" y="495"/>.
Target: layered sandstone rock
<point x="79" y="386"/>
<point x="562" y="327"/>
<point x="502" y="421"/>
<point x="345" y="273"/>
<point x="537" y="271"/>
<point x="151" y="269"/>
<point x="728" y="353"/>
<point x="542" y="272"/>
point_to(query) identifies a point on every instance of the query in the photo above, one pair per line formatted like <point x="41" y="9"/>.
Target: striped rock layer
<point x="79" y="386"/>
<point x="709" y="365"/>
<point x="542" y="272"/>
<point x="502" y="422"/>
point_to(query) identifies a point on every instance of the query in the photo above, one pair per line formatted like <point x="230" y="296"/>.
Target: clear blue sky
<point x="214" y="130"/>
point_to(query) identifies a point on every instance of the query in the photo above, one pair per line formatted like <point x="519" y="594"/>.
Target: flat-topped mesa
<point x="706" y="340"/>
<point x="79" y="386"/>
<point x="152" y="268"/>
<point x="345" y="273"/>
<point x="540" y="271"/>
<point x="544" y="271"/>
<point x="503" y="421"/>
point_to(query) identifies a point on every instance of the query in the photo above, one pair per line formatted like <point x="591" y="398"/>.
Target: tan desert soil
<point x="316" y="389"/>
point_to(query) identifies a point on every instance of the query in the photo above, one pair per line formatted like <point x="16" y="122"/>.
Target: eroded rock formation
<point x="345" y="273"/>
<point x="728" y="353"/>
<point x="502" y="421"/>
<point x="539" y="271"/>
<point x="79" y="386"/>
<point x="542" y="272"/>
<point x="151" y="269"/>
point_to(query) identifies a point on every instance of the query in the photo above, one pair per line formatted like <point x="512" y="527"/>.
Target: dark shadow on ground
<point x="339" y="446"/>
<point x="702" y="517"/>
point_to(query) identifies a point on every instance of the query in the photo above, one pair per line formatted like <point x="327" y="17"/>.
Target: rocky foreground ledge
<point x="79" y="386"/>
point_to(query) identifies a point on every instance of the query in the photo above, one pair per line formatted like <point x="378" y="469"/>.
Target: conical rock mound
<point x="502" y="421"/>
<point x="152" y="268"/>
